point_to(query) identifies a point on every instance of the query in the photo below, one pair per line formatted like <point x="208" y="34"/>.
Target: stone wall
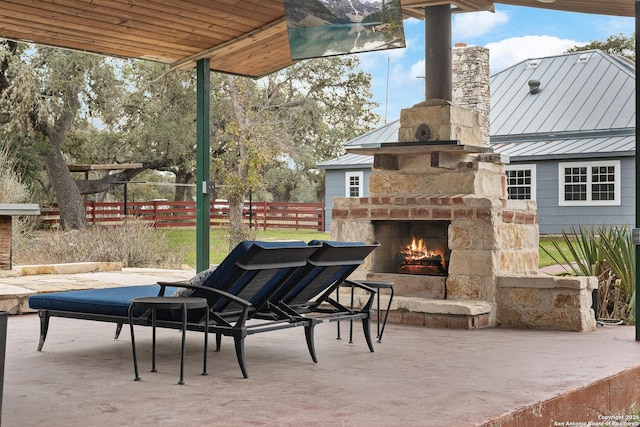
<point x="546" y="302"/>
<point x="438" y="173"/>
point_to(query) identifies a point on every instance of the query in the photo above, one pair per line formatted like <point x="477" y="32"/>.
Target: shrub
<point x="609" y="254"/>
<point x="12" y="190"/>
<point x="133" y="243"/>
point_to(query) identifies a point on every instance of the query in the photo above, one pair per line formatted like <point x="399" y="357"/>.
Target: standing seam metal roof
<point x="582" y="91"/>
<point x="585" y="108"/>
<point x="567" y="148"/>
<point x="353" y="160"/>
<point x="385" y="133"/>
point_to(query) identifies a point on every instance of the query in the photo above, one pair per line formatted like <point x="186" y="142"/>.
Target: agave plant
<point x="619" y="252"/>
<point x="582" y="257"/>
<point x="607" y="253"/>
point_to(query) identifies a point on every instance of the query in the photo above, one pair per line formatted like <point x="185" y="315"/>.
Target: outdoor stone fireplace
<point x="441" y="183"/>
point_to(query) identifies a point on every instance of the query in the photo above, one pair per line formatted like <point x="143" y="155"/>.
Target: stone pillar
<point x="7" y="210"/>
<point x="5" y="242"/>
<point x="470" y="82"/>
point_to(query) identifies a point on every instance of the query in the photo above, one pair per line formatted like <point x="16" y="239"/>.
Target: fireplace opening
<point x="412" y="247"/>
<point x="418" y="258"/>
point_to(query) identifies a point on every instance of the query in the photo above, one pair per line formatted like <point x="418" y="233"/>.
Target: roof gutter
<point x="529" y="137"/>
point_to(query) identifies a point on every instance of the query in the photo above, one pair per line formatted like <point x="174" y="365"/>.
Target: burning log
<point x="418" y="259"/>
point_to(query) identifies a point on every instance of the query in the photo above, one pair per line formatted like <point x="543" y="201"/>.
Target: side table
<point x="377" y="286"/>
<point x="168" y="303"/>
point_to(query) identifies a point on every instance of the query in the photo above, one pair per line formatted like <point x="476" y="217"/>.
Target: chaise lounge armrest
<point x="207" y="289"/>
<point x="357" y="284"/>
<point x="362" y="285"/>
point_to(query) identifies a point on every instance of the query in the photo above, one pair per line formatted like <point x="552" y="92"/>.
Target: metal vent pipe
<point x="438" y="52"/>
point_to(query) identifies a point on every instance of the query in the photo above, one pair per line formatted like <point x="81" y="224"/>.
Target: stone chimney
<point x="470" y="82"/>
<point x="466" y="117"/>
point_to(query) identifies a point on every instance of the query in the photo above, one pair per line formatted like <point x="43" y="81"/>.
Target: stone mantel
<point x="411" y="148"/>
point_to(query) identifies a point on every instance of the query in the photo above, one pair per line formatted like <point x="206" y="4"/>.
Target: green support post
<point x="202" y="165"/>
<point x="637" y="182"/>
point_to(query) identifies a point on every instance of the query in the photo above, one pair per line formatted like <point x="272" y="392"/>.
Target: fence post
<point x="264" y="215"/>
<point x="250" y="209"/>
<point x="155" y="214"/>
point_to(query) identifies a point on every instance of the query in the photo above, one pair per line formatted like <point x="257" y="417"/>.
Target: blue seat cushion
<point x="107" y="301"/>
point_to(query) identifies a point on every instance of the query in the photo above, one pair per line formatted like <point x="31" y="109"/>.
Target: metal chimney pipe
<point x="438" y="52"/>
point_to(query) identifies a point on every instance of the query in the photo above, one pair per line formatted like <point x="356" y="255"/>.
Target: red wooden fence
<point x="263" y="215"/>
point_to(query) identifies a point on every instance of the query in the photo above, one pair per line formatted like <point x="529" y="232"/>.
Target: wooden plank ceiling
<point x="245" y="37"/>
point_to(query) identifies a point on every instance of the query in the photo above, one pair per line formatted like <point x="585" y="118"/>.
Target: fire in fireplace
<point x="417" y="258"/>
<point x="412" y="247"/>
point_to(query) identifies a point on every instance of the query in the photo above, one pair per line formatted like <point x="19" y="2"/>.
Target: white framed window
<point x="589" y="183"/>
<point x="521" y="182"/>
<point x="354" y="184"/>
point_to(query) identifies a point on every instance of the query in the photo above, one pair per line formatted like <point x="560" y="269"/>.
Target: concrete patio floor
<point x="416" y="377"/>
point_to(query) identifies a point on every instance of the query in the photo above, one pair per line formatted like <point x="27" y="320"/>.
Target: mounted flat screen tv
<point x="337" y="27"/>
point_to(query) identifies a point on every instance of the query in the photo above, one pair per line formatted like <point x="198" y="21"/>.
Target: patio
<point x="417" y="376"/>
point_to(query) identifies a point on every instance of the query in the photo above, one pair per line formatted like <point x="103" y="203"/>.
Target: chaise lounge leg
<point x="239" y="342"/>
<point x="309" y="335"/>
<point x="366" y="326"/>
<point x="118" y="330"/>
<point x="44" y="327"/>
<point x="218" y="341"/>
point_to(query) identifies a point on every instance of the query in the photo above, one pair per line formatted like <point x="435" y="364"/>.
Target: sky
<point x="512" y="34"/>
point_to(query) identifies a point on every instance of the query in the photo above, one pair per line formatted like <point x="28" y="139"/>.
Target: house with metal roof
<point x="567" y="124"/>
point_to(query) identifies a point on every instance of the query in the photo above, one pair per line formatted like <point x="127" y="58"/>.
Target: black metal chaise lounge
<point x="240" y="286"/>
<point x="308" y="294"/>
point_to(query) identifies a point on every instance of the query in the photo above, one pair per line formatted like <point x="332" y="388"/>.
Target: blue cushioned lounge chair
<point x="236" y="290"/>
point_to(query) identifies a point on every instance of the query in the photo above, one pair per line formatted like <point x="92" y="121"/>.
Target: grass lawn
<point x="186" y="238"/>
<point x="546" y="259"/>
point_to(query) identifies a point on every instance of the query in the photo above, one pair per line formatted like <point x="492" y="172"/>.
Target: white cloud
<point x="508" y="52"/>
<point x="405" y="89"/>
<point x="615" y="25"/>
<point x="470" y="25"/>
<point x="417" y="69"/>
<point x="376" y="60"/>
